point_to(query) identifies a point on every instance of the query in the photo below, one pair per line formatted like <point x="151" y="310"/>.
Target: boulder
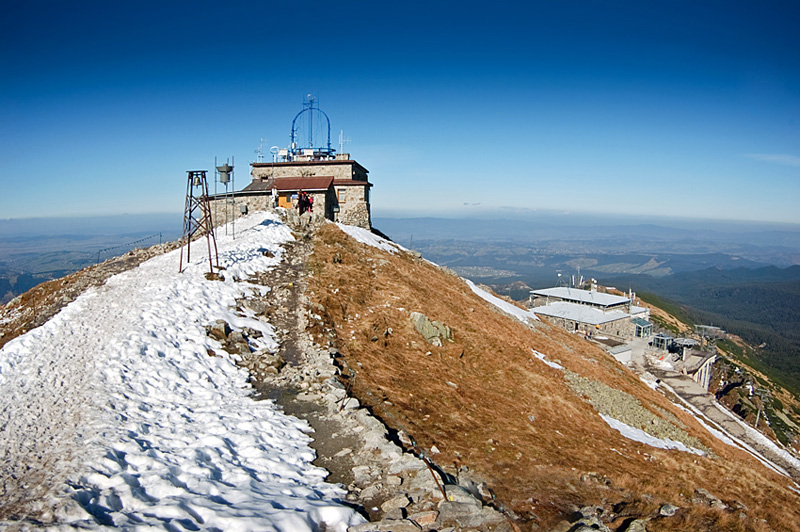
<point x="219" y="330"/>
<point x="637" y="525"/>
<point x="434" y="332"/>
<point x="400" y="501"/>
<point x="668" y="510"/>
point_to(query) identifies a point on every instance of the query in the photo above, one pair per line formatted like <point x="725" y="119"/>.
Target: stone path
<point x="394" y="489"/>
<point x="699" y="398"/>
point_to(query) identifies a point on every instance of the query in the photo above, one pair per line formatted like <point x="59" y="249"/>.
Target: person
<point x="302" y="202"/>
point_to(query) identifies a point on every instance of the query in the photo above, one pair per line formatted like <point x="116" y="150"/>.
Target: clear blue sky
<point x="674" y="108"/>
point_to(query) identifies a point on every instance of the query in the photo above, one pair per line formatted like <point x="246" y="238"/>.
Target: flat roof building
<point x="576" y="295"/>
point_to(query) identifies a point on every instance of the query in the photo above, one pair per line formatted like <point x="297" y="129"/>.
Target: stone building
<point x="590" y="312"/>
<point x="339" y="186"/>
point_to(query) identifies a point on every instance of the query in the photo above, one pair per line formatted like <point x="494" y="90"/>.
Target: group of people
<point x="305" y="203"/>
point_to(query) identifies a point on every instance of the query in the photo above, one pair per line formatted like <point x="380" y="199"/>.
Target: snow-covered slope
<point x="118" y="407"/>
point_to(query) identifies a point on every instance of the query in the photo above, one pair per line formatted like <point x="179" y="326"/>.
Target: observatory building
<point x="338" y="184"/>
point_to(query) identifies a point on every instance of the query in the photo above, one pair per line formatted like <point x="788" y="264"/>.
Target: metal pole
<point x="233" y="197"/>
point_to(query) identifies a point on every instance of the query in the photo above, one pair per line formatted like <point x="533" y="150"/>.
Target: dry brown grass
<point x="474" y="398"/>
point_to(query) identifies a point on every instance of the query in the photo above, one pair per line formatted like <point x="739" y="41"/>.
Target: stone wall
<point x="622" y="329"/>
<point x="344" y="170"/>
<point x="353" y="206"/>
<point x="220" y="215"/>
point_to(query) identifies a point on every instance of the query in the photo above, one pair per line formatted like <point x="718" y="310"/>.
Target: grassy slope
<point x="486" y="402"/>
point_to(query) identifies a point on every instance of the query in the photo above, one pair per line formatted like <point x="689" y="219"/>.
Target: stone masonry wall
<point x="353" y="206"/>
<point x="338" y="171"/>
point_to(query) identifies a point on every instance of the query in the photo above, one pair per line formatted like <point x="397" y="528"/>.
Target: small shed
<point x="623" y="353"/>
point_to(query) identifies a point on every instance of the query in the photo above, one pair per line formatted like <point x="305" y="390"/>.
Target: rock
<point x="219" y="330"/>
<point x="637" y="525"/>
<point x="256" y="306"/>
<point x="365" y="527"/>
<point x="431" y="330"/>
<point x="456" y="511"/>
<point x="668" y="510"/>
<point x="395" y="513"/>
<point x="562" y="526"/>
<point x="591" y="511"/>
<point x="397" y="502"/>
<point x="236" y="337"/>
<point x="591" y="523"/>
<point x="394" y="481"/>
<point x="424" y="518"/>
<point x="703" y="496"/>
<point x="370" y="492"/>
<point x="459" y="494"/>
<point x="270" y="360"/>
<point x="398" y="525"/>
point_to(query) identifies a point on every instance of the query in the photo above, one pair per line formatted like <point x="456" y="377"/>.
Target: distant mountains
<point x="35" y="250"/>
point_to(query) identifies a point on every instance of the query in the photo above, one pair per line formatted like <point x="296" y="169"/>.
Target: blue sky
<point x="457" y="109"/>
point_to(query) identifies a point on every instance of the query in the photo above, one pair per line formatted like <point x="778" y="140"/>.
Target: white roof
<point x="582" y="296"/>
<point x="581" y="313"/>
<point x="638" y="310"/>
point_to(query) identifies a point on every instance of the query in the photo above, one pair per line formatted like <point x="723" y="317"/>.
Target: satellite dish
<point x="274" y="150"/>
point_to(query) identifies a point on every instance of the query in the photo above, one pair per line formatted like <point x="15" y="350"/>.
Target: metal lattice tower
<point x="197" y="217"/>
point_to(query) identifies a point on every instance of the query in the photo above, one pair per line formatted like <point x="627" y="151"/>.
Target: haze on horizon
<point x="679" y="110"/>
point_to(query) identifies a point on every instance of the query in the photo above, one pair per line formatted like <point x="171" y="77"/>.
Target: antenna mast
<point x="342" y="140"/>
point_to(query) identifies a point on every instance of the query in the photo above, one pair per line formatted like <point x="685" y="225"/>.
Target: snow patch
<point x="505" y="306"/>
<point x="641" y="436"/>
<point x="543" y="358"/>
<point x="371" y="239"/>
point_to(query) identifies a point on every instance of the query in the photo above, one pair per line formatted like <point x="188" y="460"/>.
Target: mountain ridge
<point x="518" y="404"/>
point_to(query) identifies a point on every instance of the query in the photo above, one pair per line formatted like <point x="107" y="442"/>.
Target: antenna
<point x="319" y="151"/>
<point x="274" y="151"/>
<point x="260" y="151"/>
<point x="342" y="140"/>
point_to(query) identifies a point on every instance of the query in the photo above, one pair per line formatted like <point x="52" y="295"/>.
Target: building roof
<point x="620" y="349"/>
<point x="579" y="313"/>
<point x="351" y="182"/>
<point x="638" y="310"/>
<point x="283" y="184"/>
<point x="641" y="323"/>
<point x="582" y="296"/>
<point x="320" y="162"/>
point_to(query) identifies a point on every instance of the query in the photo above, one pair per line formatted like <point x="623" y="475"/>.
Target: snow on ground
<point x="151" y="430"/>
<point x="543" y="358"/>
<point x="371" y="239"/>
<point x="643" y="437"/>
<point x="505" y="306"/>
<point x="727" y="437"/>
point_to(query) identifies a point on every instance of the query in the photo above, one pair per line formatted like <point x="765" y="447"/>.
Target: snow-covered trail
<point x="119" y="408"/>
